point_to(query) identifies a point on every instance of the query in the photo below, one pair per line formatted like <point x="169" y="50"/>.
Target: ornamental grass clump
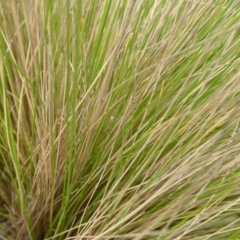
<point x="119" y="119"/>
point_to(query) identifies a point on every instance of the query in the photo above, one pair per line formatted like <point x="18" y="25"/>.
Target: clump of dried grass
<point x="119" y="119"/>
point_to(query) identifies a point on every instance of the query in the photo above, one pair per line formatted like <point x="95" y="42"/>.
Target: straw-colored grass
<point x="119" y="119"/>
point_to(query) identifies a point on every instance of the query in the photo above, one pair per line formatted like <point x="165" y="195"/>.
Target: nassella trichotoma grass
<point x="119" y="119"/>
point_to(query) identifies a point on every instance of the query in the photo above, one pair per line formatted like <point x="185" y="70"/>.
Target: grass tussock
<point x="119" y="119"/>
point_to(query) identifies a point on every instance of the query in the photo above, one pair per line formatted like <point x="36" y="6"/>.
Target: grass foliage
<point x="119" y="119"/>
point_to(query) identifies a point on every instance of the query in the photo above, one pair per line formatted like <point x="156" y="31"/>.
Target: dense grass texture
<point x="119" y="119"/>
